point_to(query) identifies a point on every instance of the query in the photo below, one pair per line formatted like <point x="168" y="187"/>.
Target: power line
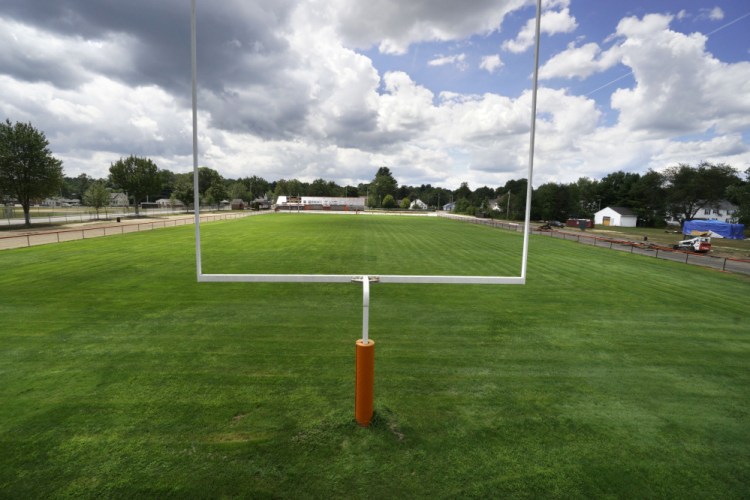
<point x="729" y="24"/>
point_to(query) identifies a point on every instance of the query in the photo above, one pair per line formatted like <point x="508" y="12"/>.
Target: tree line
<point x="29" y="173"/>
<point x="677" y="192"/>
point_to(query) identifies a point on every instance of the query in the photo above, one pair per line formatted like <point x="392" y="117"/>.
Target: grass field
<point x="607" y="375"/>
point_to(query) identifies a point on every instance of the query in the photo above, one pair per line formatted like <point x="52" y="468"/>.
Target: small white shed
<point x="615" y="216"/>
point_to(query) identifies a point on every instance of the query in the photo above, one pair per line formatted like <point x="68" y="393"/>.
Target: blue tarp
<point x="697" y="227"/>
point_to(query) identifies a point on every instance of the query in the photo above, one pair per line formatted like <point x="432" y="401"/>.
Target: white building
<point x="418" y="205"/>
<point x="615" y="216"/>
<point x="321" y="202"/>
<point x="723" y="212"/>
<point x="169" y="203"/>
<point x="118" y="200"/>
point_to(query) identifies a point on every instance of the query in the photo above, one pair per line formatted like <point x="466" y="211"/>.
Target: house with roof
<point x="238" y="204"/>
<point x="723" y="212"/>
<point x="169" y="203"/>
<point x="118" y="200"/>
<point x="418" y="205"/>
<point x="320" y="202"/>
<point x="261" y="204"/>
<point x="615" y="216"/>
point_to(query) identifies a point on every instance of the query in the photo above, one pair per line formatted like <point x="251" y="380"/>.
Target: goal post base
<point x="364" y="381"/>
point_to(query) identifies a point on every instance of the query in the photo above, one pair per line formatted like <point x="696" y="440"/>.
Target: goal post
<point x="365" y="347"/>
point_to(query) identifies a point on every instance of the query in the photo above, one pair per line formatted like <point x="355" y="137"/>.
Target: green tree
<point x="208" y="177"/>
<point x="464" y="206"/>
<point x="382" y="185"/>
<point x="552" y="201"/>
<point x="405" y="203"/>
<point x="28" y="170"/>
<point x="690" y="188"/>
<point x="463" y="192"/>
<point x="138" y="177"/>
<point x="389" y="201"/>
<point x="166" y="179"/>
<point x="321" y="187"/>
<point x="482" y="196"/>
<point x="614" y="189"/>
<point x="215" y="194"/>
<point x="291" y="187"/>
<point x="256" y="186"/>
<point x="97" y="196"/>
<point x="238" y="190"/>
<point x="516" y="189"/>
<point x="648" y="199"/>
<point x="74" y="187"/>
<point x="587" y="194"/>
<point x="183" y="189"/>
<point x="350" y="191"/>
<point x="739" y="194"/>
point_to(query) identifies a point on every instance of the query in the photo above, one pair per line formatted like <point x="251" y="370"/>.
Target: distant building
<point x="448" y="207"/>
<point x="61" y="202"/>
<point x="722" y="212"/>
<point x="320" y="203"/>
<point x="238" y="204"/>
<point x="118" y="200"/>
<point x="615" y="216"/>
<point x="418" y="205"/>
<point x="169" y="203"/>
<point x="261" y="204"/>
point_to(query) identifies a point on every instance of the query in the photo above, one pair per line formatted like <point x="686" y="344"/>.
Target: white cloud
<point x="681" y="88"/>
<point x="491" y="63"/>
<point x="580" y="62"/>
<point x="713" y="14"/>
<point x="294" y="99"/>
<point x="393" y="25"/>
<point x="552" y="23"/>
<point x="459" y="60"/>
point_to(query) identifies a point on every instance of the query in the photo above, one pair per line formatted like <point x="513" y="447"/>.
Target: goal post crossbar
<point x="348" y="278"/>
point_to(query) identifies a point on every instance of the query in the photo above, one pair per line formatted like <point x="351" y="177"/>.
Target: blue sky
<point x="436" y="90"/>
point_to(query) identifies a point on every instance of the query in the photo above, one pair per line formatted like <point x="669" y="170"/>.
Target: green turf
<point x="607" y="375"/>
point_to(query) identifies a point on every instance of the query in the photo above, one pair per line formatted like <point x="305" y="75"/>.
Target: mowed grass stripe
<point x="335" y="244"/>
<point x="606" y="375"/>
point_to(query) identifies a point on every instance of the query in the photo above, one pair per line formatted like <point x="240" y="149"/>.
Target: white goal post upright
<point x="366" y="345"/>
<point x="532" y="138"/>
<point x="196" y="194"/>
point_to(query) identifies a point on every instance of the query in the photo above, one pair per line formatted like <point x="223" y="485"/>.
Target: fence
<point x="741" y="266"/>
<point x="13" y="216"/>
<point x="63" y="235"/>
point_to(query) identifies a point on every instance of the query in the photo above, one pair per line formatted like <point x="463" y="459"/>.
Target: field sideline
<point x="608" y="374"/>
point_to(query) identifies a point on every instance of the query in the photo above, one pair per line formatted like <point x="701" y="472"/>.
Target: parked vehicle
<point x="700" y="244"/>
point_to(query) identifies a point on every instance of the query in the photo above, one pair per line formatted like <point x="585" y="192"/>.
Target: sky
<point x="439" y="91"/>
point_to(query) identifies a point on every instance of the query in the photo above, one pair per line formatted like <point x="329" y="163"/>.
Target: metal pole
<point x="531" y="141"/>
<point x="196" y="198"/>
<point x="365" y="308"/>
